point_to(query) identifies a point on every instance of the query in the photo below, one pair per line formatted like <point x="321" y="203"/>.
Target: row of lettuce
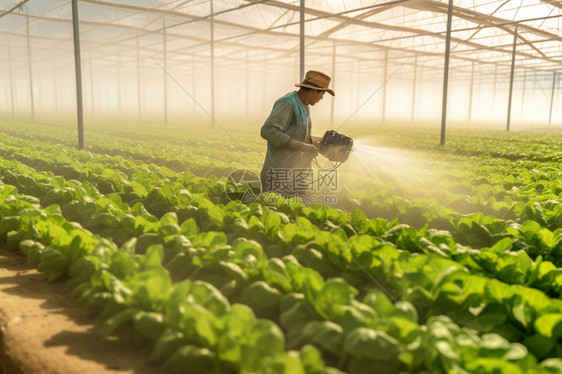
<point x="161" y="190"/>
<point x="334" y="288"/>
<point x="511" y="177"/>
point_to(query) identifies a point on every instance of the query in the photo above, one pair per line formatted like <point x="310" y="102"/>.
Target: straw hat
<point x="317" y="81"/>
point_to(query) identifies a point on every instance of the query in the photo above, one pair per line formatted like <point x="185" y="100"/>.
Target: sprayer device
<point x="335" y="146"/>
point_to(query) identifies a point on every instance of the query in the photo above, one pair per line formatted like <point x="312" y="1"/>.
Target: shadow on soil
<point x="116" y="353"/>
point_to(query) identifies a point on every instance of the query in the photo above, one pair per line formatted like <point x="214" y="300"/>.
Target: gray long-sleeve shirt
<point x="289" y="118"/>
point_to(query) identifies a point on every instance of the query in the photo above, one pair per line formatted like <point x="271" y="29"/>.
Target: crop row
<point x="195" y="329"/>
<point x="162" y="198"/>
<point x="301" y="223"/>
<point x="504" y="245"/>
<point x="486" y="231"/>
<point x="527" y="189"/>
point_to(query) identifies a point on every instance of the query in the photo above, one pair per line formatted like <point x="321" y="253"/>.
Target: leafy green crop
<point x="465" y="283"/>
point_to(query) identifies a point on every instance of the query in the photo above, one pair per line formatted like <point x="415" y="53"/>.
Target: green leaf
<point x="149" y="324"/>
<point x="238" y="318"/>
<point x="271" y="222"/>
<point x="335" y="293"/>
<point x="553" y="365"/>
<point x="145" y="241"/>
<point x="209" y="240"/>
<point x="28" y="244"/>
<point x="249" y="253"/>
<point x="139" y="188"/>
<point x="34" y="254"/>
<point x="9" y="223"/>
<point x="146" y="224"/>
<point x="53" y="262"/>
<point x="83" y="269"/>
<point x="379" y="302"/>
<point x="209" y="297"/>
<point x="405" y="330"/>
<point x="263" y="338"/>
<point x="108" y="173"/>
<point x="263" y="295"/>
<point x="365" y="342"/>
<point x="311" y="359"/>
<point x="168" y="342"/>
<point x="504" y="245"/>
<point x="549" y="325"/>
<point x="233" y="271"/>
<point x="170" y="218"/>
<point x="229" y="348"/>
<point x="492" y="365"/>
<point x="496" y="290"/>
<point x="358" y="220"/>
<point x="275" y="274"/>
<point x="122" y="265"/>
<point x="305" y="280"/>
<point x="296" y="314"/>
<point x="325" y="334"/>
<point x="13" y="239"/>
<point x="191" y="359"/>
<point x="539" y="345"/>
<point x="149" y="288"/>
<point x="110" y="324"/>
<point x="199" y="324"/>
<point x="153" y="257"/>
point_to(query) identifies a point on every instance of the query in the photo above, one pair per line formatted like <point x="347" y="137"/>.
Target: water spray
<point x="337" y="147"/>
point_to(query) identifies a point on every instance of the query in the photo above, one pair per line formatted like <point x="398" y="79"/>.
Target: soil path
<point x="43" y="331"/>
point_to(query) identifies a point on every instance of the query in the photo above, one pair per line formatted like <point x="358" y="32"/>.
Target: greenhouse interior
<point x="280" y="186"/>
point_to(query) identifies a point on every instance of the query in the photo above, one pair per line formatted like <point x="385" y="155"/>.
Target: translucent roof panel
<point x="245" y="39"/>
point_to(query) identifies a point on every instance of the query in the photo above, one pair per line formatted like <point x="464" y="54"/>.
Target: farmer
<point x="290" y="145"/>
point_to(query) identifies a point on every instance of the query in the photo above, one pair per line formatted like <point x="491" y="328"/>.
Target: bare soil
<point x="44" y="331"/>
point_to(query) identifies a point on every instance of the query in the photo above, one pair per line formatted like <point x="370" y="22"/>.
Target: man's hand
<point x="316" y="141"/>
<point x="309" y="149"/>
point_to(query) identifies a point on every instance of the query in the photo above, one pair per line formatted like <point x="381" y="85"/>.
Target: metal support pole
<point x="193" y="85"/>
<point x="119" y="82"/>
<point x="78" y="69"/>
<point x="139" y="104"/>
<point x="534" y="86"/>
<point x="352" y="80"/>
<point x="29" y="65"/>
<point x="384" y="86"/>
<point x="333" y="83"/>
<point x="165" y="72"/>
<point x="494" y="92"/>
<point x="11" y="77"/>
<point x="247" y="84"/>
<point x="523" y="91"/>
<point x="358" y="87"/>
<point x="91" y="71"/>
<point x="552" y="97"/>
<point x="212" y="65"/>
<point x="55" y="86"/>
<point x="511" y="79"/>
<point x="302" y="41"/>
<point x="264" y="85"/>
<point x="105" y="96"/>
<point x="414" y="88"/>
<point x="471" y="92"/>
<point x="446" y="72"/>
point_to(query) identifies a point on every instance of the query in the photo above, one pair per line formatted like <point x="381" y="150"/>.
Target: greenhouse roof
<point x="482" y="31"/>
